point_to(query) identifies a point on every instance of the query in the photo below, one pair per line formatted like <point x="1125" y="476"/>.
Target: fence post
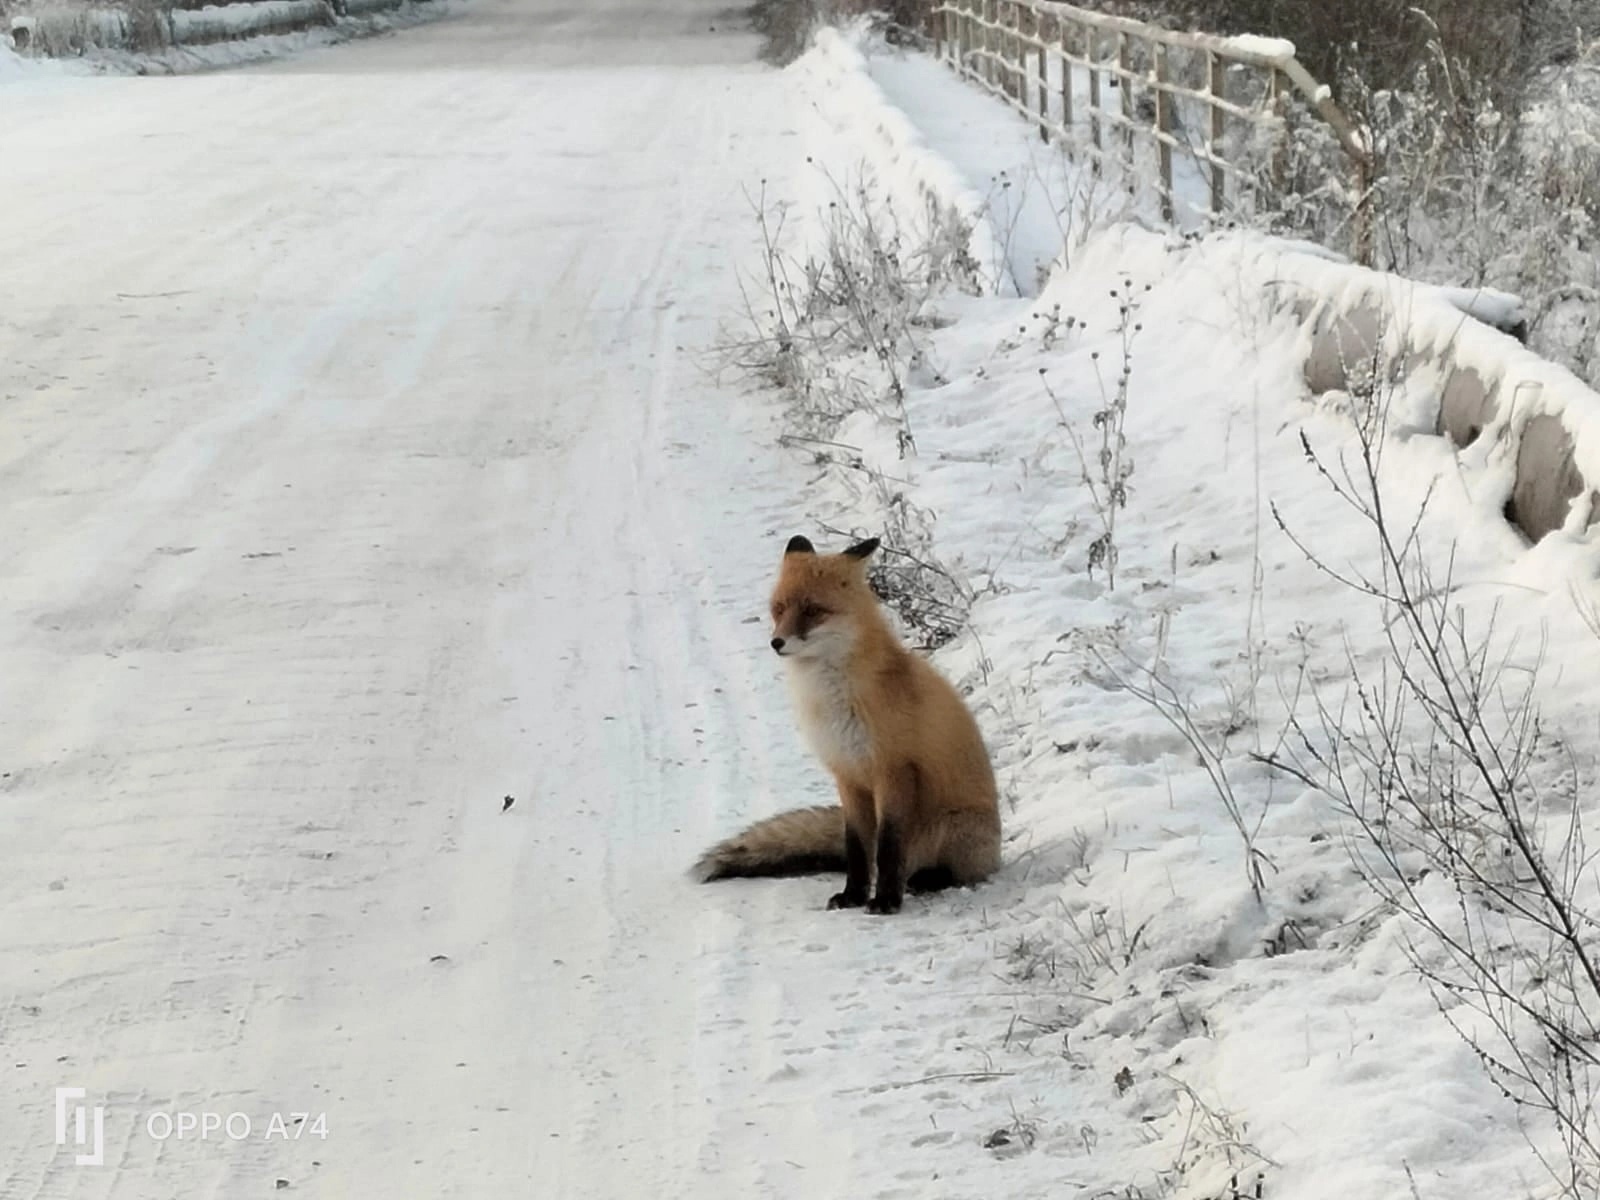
<point x="1044" y="79"/>
<point x="1163" y="129"/>
<point x="1066" y="83"/>
<point x="1021" y="47"/>
<point x="1019" y="89"/>
<point x="1280" y="151"/>
<point x="964" y="25"/>
<point x="993" y="48"/>
<point x="1002" y="46"/>
<point x="963" y="35"/>
<point x="971" y="64"/>
<point x="1095" y="132"/>
<point x="1364" y="216"/>
<point x="1008" y="79"/>
<point x="1216" y="88"/>
<point x="985" y="33"/>
<point x="1125" y="64"/>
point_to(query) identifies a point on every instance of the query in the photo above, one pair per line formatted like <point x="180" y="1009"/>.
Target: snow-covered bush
<point x="62" y="29"/>
<point x="840" y="329"/>
<point x="1462" y="190"/>
<point x="788" y="25"/>
<point x="1468" y="193"/>
<point x="1383" y="41"/>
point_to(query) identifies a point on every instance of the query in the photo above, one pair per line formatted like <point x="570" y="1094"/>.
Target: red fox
<point x="917" y="797"/>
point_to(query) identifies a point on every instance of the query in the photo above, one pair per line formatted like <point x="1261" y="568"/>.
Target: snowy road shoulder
<point x="1145" y="1023"/>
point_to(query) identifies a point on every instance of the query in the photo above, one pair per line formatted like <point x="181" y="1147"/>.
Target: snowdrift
<point x="1154" y="998"/>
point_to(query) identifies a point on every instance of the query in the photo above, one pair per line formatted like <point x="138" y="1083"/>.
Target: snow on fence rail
<point x="219" y="23"/>
<point x="1215" y="111"/>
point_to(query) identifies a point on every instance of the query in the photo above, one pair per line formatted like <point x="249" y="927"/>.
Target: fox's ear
<point x="799" y="545"/>
<point x="862" y="549"/>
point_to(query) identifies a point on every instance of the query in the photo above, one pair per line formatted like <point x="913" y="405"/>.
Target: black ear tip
<point x="862" y="549"/>
<point x="799" y="545"/>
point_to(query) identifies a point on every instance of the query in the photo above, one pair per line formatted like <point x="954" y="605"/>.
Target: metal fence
<point x="1210" y="119"/>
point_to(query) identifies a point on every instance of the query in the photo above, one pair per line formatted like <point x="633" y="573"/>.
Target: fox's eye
<point x="813" y="612"/>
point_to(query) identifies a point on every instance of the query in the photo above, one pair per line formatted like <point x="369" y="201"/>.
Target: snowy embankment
<point x="215" y="35"/>
<point x="914" y="178"/>
<point x="1179" y="975"/>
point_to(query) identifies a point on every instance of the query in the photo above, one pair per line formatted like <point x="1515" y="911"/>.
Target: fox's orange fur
<point x="917" y="799"/>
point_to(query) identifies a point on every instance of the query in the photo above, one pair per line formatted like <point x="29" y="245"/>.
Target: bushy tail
<point x="806" y="841"/>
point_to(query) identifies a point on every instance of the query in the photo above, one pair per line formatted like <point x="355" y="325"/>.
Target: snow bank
<point x="1451" y="366"/>
<point x="1124" y="1013"/>
<point x="12" y="65"/>
<point x="1442" y="341"/>
<point x="1148" y="1021"/>
<point x="886" y="141"/>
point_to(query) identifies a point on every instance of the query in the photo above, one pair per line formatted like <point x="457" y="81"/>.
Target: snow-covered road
<point x="362" y="466"/>
<point x="359" y="470"/>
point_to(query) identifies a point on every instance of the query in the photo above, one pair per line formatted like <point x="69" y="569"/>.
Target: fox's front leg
<point x="895" y="802"/>
<point x="858" y="836"/>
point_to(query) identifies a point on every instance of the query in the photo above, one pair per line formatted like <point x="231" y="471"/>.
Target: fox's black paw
<point x="847" y="900"/>
<point x="883" y="905"/>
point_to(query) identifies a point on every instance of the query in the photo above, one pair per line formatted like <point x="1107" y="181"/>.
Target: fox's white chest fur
<point x="828" y="723"/>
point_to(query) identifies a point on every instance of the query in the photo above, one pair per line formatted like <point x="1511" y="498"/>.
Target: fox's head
<point x="819" y="600"/>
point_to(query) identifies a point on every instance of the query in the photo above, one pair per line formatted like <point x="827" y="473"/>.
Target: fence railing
<point x="1210" y="119"/>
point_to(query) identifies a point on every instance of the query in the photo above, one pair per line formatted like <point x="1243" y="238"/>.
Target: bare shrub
<point x="841" y="330"/>
<point x="149" y="25"/>
<point x="1463" y="816"/>
<point x="64" y="30"/>
<point x="1383" y="41"/>
<point x="786" y="26"/>
<point x="1106" y="465"/>
<point x="1472" y="183"/>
